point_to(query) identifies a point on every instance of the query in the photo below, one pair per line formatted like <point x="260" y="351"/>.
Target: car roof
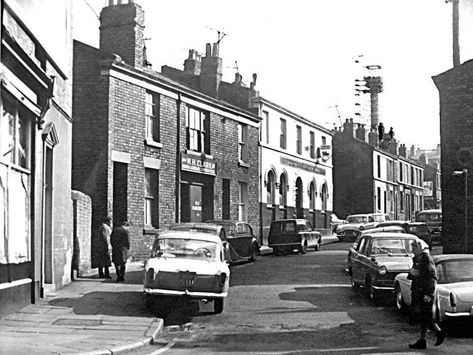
<point x="443" y="257"/>
<point x="196" y="235"/>
<point x="392" y="235"/>
<point x="221" y="222"/>
<point x="290" y="220"/>
<point x="383" y="229"/>
<point x="198" y="225"/>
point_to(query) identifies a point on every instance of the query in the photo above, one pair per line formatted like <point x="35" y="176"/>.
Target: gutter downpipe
<point x="178" y="160"/>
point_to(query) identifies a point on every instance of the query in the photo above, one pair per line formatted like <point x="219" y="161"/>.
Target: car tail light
<point x="382" y="270"/>
<point x="453" y="300"/>
<point x="150" y="274"/>
<point x="223" y="278"/>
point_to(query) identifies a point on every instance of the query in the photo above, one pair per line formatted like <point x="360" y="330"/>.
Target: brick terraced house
<point x="152" y="149"/>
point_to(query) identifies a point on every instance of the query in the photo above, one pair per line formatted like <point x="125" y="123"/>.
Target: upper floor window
<point x="15" y="133"/>
<point x="324" y="140"/>
<point x="152" y="117"/>
<point x="283" y="134"/>
<point x="312" y="145"/>
<point x="243" y="142"/>
<point x="299" y="139"/>
<point x="266" y="121"/>
<point x="379" y="165"/>
<point x="197" y="131"/>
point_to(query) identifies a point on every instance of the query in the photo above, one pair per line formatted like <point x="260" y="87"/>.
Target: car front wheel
<point x="253" y="252"/>
<point x="400" y="304"/>
<point x="218" y="305"/>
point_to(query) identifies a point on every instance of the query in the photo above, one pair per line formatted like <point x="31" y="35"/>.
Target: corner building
<point x="154" y="150"/>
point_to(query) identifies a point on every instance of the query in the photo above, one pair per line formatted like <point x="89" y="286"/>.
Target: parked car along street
<point x="242" y="242"/>
<point x="356" y="222"/>
<point x="417" y="228"/>
<point x="187" y="263"/>
<point x="335" y="222"/>
<point x="289" y="235"/>
<point x="433" y="220"/>
<point x="378" y="259"/>
<point x="454" y="292"/>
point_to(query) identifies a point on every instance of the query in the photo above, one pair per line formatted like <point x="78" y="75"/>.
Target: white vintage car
<point x="454" y="292"/>
<point x="187" y="264"/>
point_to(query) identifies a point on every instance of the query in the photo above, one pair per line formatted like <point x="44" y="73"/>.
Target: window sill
<point x="198" y="154"/>
<point x="150" y="230"/>
<point x="153" y="143"/>
<point x="243" y="164"/>
<point x="269" y="205"/>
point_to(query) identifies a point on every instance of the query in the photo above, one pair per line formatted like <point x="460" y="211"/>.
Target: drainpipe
<point x="178" y="160"/>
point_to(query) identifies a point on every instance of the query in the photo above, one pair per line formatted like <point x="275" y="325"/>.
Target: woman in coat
<point x="120" y="241"/>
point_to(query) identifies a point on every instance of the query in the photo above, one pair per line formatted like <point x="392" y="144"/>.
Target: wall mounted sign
<point x="198" y="164"/>
<point x="304" y="166"/>
<point x="325" y="152"/>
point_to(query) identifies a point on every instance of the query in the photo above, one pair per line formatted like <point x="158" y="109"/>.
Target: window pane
<point x="7" y="131"/>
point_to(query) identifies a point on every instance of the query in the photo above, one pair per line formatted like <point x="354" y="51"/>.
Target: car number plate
<point x="187" y="278"/>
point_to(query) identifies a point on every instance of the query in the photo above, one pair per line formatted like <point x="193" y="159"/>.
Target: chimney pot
<point x="215" y="50"/>
<point x="208" y="50"/>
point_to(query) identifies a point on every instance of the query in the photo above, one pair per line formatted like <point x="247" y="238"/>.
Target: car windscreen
<point x="185" y="248"/>
<point x="429" y="217"/>
<point x="451" y="271"/>
<point x="391" y="246"/>
<point x="378" y="218"/>
<point x="357" y="219"/>
<point x="418" y="230"/>
<point x="194" y="229"/>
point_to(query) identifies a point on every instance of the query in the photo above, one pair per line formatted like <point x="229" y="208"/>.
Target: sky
<point x="304" y="52"/>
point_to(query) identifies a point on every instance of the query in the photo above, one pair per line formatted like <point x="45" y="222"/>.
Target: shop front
<point x="197" y="187"/>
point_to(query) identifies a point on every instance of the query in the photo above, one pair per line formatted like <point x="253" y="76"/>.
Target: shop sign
<point x="304" y="166"/>
<point x="325" y="152"/>
<point x="198" y="164"/>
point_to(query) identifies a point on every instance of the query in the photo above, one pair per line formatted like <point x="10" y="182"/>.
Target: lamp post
<point x="464" y="172"/>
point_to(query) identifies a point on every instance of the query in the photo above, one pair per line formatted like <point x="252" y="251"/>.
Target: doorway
<point x="299" y="199"/>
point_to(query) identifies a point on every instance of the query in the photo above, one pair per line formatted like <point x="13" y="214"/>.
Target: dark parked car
<point x="287" y="235"/>
<point x="243" y="244"/>
<point x="378" y="259"/>
<point x="433" y="220"/>
<point x="417" y="228"/>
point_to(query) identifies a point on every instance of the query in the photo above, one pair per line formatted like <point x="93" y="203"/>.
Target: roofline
<point x="291" y="113"/>
<point x="171" y="85"/>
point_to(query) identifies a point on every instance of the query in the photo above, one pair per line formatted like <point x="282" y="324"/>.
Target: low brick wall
<point x="82" y="226"/>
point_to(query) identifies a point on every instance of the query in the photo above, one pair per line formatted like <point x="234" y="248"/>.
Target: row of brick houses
<point x="100" y="134"/>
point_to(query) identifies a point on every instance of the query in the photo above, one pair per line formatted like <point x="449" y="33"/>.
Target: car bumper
<point x="383" y="288"/>
<point x="464" y="314"/>
<point x="173" y="293"/>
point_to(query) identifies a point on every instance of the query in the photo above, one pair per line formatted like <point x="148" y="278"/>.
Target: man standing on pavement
<point x="101" y="249"/>
<point x="120" y="241"/>
<point x="424" y="280"/>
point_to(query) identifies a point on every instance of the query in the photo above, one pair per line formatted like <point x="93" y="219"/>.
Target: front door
<point x="195" y="200"/>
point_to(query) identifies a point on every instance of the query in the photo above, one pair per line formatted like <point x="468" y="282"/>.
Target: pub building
<point x="154" y="148"/>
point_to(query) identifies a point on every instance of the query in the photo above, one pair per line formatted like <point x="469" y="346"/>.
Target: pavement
<point x="88" y="316"/>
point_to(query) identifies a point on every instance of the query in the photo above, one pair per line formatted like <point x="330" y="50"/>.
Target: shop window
<point x="151" y="198"/>
<point x="152" y="117"/>
<point x="15" y="134"/>
<point x="197" y="131"/>
<point x="324" y="197"/>
<point x="243" y="142"/>
<point x="283" y="134"/>
<point x="270" y="189"/>
<point x="243" y="201"/>
<point x="312" y="194"/>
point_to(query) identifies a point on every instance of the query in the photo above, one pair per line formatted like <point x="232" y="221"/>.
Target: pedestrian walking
<point x="120" y="241"/>
<point x="101" y="249"/>
<point x="424" y="280"/>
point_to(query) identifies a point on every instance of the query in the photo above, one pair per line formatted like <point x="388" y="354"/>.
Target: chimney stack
<point x="361" y="132"/>
<point x="403" y="151"/>
<point x="375" y="86"/>
<point x="122" y="32"/>
<point x="192" y="64"/>
<point x="373" y="137"/>
<point x="348" y="128"/>
<point x="238" y="79"/>
<point x="393" y="148"/>
<point x="211" y="71"/>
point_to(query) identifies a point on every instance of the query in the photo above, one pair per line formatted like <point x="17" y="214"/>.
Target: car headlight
<point x="382" y="270"/>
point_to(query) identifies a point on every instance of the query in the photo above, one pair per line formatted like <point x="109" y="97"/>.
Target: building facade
<point x="155" y="149"/>
<point x="374" y="176"/>
<point x="36" y="237"/>
<point x="456" y="139"/>
<point x="296" y="167"/>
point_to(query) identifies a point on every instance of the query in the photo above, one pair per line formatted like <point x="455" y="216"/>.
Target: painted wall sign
<point x="303" y="166"/>
<point x="198" y="164"/>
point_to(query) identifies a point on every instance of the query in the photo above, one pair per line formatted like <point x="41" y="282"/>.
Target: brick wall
<point x="456" y="132"/>
<point x="82" y="221"/>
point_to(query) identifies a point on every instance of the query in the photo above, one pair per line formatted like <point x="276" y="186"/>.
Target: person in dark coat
<point x="101" y="249"/>
<point x="424" y="281"/>
<point x="120" y="244"/>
